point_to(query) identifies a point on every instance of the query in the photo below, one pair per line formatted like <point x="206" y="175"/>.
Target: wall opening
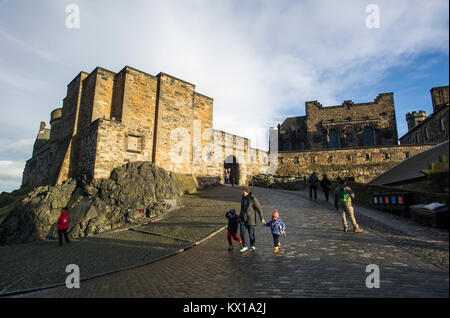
<point x="232" y="167"/>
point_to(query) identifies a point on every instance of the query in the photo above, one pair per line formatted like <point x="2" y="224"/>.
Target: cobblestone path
<point x="317" y="259"/>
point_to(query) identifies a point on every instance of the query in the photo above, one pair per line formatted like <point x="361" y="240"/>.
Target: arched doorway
<point x="232" y="166"/>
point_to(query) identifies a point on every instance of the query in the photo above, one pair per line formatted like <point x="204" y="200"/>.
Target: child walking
<point x="278" y="228"/>
<point x="233" y="220"/>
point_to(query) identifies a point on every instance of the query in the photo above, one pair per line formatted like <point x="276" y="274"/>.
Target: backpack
<point x="343" y="195"/>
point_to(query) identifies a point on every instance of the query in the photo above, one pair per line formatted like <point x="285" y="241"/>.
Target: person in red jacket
<point x="63" y="224"/>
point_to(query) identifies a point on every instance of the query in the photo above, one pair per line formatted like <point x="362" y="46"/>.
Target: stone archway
<point x="232" y="164"/>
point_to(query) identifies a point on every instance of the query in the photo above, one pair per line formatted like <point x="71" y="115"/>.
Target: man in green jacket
<point x="249" y="208"/>
<point x="343" y="195"/>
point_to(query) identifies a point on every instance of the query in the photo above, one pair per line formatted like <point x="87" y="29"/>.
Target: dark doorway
<point x="232" y="166"/>
<point x="368" y="137"/>
<point x="334" y="139"/>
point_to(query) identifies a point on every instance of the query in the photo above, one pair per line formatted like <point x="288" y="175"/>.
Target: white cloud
<point x="11" y="170"/>
<point x="11" y="39"/>
<point x="13" y="148"/>
<point x="259" y="60"/>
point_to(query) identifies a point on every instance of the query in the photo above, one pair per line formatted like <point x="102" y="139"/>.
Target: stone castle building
<point x="108" y="119"/>
<point x="354" y="141"/>
<point x="423" y="129"/>
<point x="343" y="126"/>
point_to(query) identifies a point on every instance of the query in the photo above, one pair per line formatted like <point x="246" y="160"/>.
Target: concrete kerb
<point x="27" y="291"/>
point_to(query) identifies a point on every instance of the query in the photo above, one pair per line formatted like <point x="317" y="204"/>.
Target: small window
<point x="367" y="157"/>
<point x="427" y="134"/>
<point x="330" y="158"/>
<point x="387" y="156"/>
<point x="407" y="154"/>
<point x="442" y="124"/>
<point x="417" y="138"/>
<point x="349" y="158"/>
<point x="135" y="143"/>
<point x="313" y="159"/>
<point x="296" y="160"/>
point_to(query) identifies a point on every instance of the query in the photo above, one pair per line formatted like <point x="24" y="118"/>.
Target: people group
<point x="251" y="213"/>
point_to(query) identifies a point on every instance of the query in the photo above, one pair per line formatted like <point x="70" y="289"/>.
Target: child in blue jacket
<point x="278" y="227"/>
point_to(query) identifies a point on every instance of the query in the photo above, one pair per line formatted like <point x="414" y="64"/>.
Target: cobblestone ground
<point x="317" y="259"/>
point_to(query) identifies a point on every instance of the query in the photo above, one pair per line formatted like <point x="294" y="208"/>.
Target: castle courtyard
<point x="165" y="259"/>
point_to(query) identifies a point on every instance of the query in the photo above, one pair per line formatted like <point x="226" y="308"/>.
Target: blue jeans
<point x="251" y="234"/>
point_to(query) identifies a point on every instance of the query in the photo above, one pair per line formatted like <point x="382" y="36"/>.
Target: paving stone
<point x="303" y="268"/>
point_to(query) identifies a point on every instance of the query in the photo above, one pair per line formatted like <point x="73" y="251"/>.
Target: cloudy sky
<point x="259" y="59"/>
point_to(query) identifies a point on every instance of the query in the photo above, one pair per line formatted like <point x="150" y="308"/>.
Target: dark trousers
<point x="326" y="193"/>
<point x="276" y="239"/>
<point x="311" y="188"/>
<point x="251" y="234"/>
<point x="60" y="235"/>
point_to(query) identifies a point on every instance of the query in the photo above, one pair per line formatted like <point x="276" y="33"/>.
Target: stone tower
<point x="415" y="118"/>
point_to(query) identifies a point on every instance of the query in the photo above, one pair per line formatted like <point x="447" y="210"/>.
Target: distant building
<point x="344" y="126"/>
<point x="432" y="129"/>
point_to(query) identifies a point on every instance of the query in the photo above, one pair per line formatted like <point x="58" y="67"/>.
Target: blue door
<point x="368" y="135"/>
<point x="334" y="139"/>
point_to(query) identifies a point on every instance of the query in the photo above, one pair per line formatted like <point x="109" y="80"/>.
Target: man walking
<point x="313" y="180"/>
<point x="249" y="208"/>
<point x="343" y="202"/>
<point x="326" y="186"/>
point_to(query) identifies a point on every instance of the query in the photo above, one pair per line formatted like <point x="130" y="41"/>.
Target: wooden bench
<point x="436" y="218"/>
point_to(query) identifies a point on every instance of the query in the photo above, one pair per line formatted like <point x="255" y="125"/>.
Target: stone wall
<point x="439" y="96"/>
<point x="434" y="129"/>
<point x="349" y="120"/>
<point x="363" y="192"/>
<point x="108" y="119"/>
<point x="361" y="164"/>
<point x="174" y="124"/>
<point x="71" y="105"/>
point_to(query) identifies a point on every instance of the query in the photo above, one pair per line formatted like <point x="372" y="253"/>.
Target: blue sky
<point x="259" y="60"/>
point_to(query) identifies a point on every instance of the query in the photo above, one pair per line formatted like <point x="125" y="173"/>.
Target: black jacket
<point x="249" y="207"/>
<point x="233" y="219"/>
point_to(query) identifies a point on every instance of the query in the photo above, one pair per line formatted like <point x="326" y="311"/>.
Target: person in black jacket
<point x="233" y="220"/>
<point x="250" y="208"/>
<point x="313" y="180"/>
<point x="325" y="183"/>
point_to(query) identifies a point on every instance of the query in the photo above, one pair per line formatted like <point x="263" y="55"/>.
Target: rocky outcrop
<point x="133" y="193"/>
